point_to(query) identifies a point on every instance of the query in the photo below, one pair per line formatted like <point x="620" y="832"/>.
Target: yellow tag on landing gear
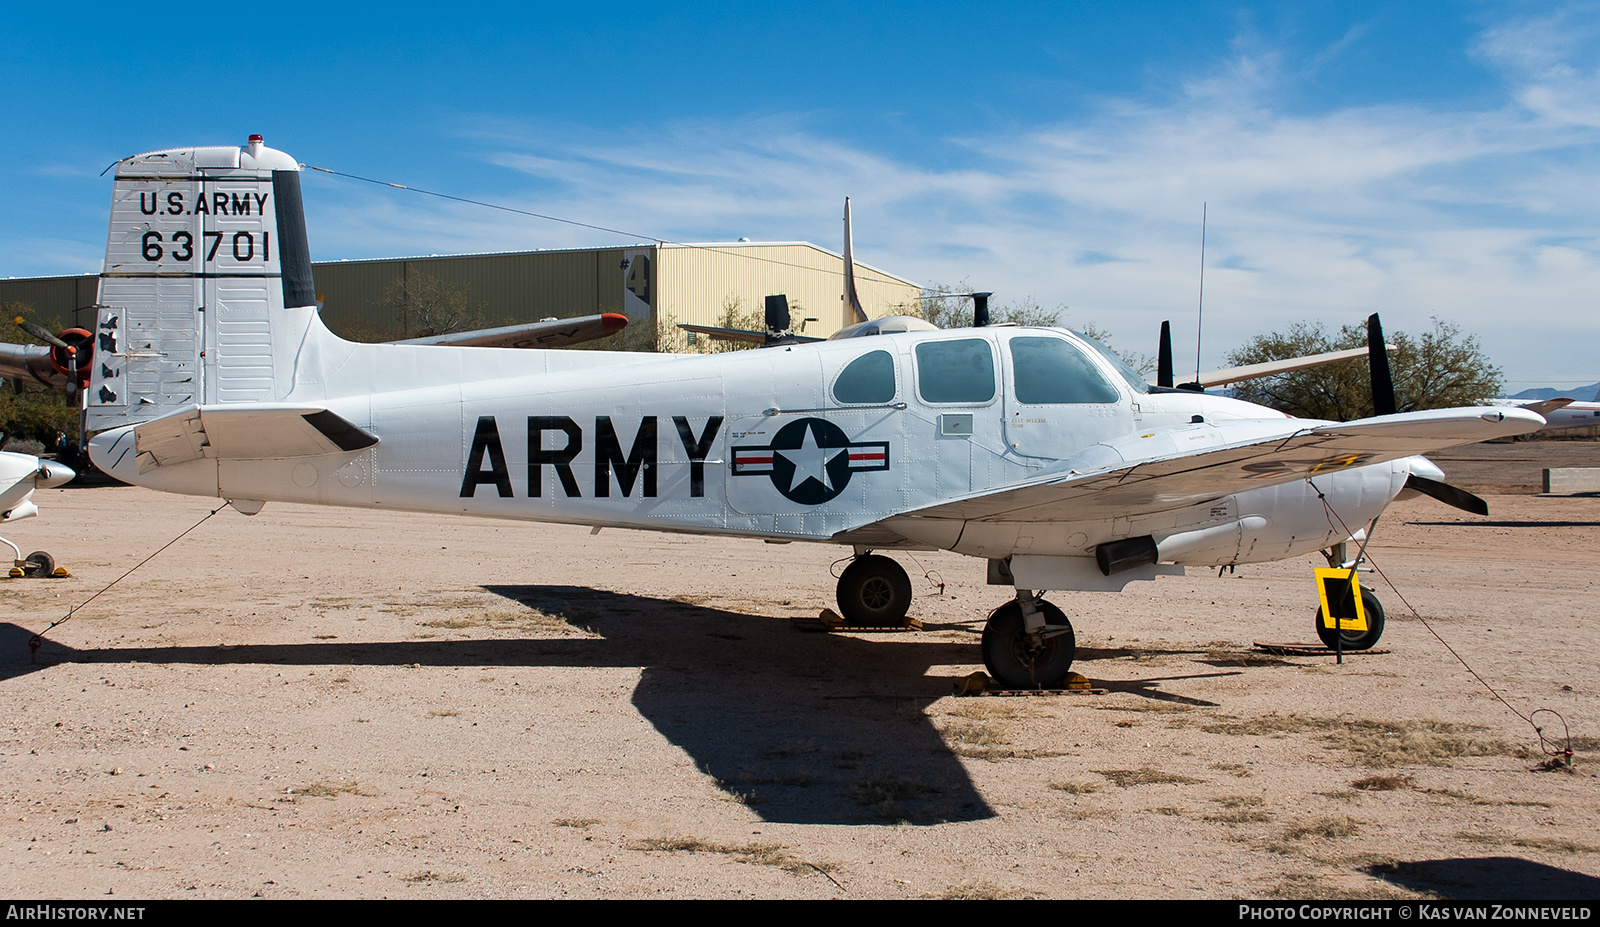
<point x="1340" y="592"/>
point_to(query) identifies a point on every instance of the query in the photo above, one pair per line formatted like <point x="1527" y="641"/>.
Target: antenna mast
<point x="1200" y="322"/>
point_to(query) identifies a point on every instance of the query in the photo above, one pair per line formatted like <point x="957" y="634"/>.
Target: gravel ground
<point x="329" y="703"/>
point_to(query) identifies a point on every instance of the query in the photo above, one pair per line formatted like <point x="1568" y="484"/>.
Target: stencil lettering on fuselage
<point x="555" y="443"/>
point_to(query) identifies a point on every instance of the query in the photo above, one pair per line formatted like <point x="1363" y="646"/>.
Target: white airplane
<point x="1558" y="413"/>
<point x="20" y="475"/>
<point x="1029" y="448"/>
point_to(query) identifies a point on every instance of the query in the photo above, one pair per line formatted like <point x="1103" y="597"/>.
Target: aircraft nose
<point x="53" y="473"/>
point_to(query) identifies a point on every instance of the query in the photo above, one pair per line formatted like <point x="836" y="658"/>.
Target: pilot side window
<point x="955" y="371"/>
<point x="868" y="378"/>
<point x="1050" y="370"/>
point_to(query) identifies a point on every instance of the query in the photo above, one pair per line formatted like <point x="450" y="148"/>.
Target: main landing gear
<point x="1029" y="644"/>
<point x="874" y="592"/>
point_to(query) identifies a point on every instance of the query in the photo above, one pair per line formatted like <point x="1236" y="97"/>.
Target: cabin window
<point x="955" y="371"/>
<point x="1050" y="370"/>
<point x="868" y="378"/>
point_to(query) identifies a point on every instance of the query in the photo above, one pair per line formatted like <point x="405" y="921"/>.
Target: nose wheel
<point x="1020" y="659"/>
<point x="1371" y="609"/>
<point x="874" y="592"/>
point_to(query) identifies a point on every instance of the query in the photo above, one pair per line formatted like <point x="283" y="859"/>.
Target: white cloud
<point x="1480" y="216"/>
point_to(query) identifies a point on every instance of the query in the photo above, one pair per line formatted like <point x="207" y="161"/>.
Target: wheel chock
<point x="832" y="619"/>
<point x="981" y="684"/>
<point x="16" y="572"/>
<point x="61" y="573"/>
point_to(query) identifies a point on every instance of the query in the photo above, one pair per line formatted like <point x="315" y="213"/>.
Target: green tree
<point x="1437" y="370"/>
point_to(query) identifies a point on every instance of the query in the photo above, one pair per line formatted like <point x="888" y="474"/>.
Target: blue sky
<point x="1417" y="159"/>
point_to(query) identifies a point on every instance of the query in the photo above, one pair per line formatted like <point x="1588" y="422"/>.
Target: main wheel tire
<point x="39" y="563"/>
<point x="1355" y="640"/>
<point x="874" y="592"/>
<point x="1013" y="658"/>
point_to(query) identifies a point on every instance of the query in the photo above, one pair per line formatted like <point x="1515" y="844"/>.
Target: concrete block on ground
<point x="1572" y="479"/>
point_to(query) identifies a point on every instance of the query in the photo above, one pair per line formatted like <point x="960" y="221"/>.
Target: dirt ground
<point x="330" y="703"/>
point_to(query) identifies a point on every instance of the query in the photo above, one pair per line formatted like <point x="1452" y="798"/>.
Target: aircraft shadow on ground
<point x="803" y="728"/>
<point x="1527" y="523"/>
<point x="1501" y="878"/>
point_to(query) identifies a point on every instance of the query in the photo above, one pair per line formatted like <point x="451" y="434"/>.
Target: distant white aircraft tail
<point x="851" y="297"/>
<point x="206" y="252"/>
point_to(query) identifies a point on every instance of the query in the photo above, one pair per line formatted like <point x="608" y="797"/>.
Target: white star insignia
<point x="810" y="461"/>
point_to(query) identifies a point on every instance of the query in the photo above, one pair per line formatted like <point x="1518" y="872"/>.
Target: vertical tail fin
<point x="852" y="300"/>
<point x="207" y="248"/>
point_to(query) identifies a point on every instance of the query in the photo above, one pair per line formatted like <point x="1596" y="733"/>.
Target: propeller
<point x="69" y="352"/>
<point x="1382" y="381"/>
<point x="1449" y="495"/>
<point x="980" y="309"/>
<point x="1164" y="357"/>
<point x="780" y="330"/>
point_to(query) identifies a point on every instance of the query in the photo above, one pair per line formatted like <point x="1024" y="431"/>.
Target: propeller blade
<point x="1449" y="495"/>
<point x="43" y="334"/>
<point x="980" y="309"/>
<point x="1164" y="357"/>
<point x="1382" y="383"/>
<point x="777" y="318"/>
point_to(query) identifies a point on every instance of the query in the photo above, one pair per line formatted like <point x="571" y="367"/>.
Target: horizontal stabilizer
<point x="549" y="333"/>
<point x="243" y="433"/>
<point x="1547" y="406"/>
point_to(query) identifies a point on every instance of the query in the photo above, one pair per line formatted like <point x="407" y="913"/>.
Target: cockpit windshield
<point x="1136" y="382"/>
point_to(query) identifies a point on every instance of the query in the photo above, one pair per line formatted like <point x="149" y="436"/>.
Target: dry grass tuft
<point x="976" y="891"/>
<point x="1240" y="801"/>
<point x="1379" y="743"/>
<point x="1238" y="817"/>
<point x="331" y="789"/>
<point x="1382" y="783"/>
<point x="978" y="735"/>
<point x="431" y="876"/>
<point x="1327" y="828"/>
<point x="762" y="854"/>
<point x="1076" y="788"/>
<point x="524" y="619"/>
<point x="579" y="823"/>
<point x="1553" y="844"/>
<point x="1145" y="775"/>
<point x="993" y="709"/>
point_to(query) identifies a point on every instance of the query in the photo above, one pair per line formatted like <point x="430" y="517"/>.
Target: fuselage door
<point x="1058" y="399"/>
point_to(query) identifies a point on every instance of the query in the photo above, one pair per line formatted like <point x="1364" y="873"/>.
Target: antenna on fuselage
<point x="1199" y="325"/>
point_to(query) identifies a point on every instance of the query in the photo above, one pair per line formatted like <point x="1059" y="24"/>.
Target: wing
<point x="1272" y="368"/>
<point x="1173" y="467"/>
<point x="550" y="333"/>
<point x="29" y="362"/>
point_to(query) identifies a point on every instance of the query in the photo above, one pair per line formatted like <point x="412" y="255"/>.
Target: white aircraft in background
<point x="20" y="475"/>
<point x="1558" y="413"/>
<point x="1029" y="448"/>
